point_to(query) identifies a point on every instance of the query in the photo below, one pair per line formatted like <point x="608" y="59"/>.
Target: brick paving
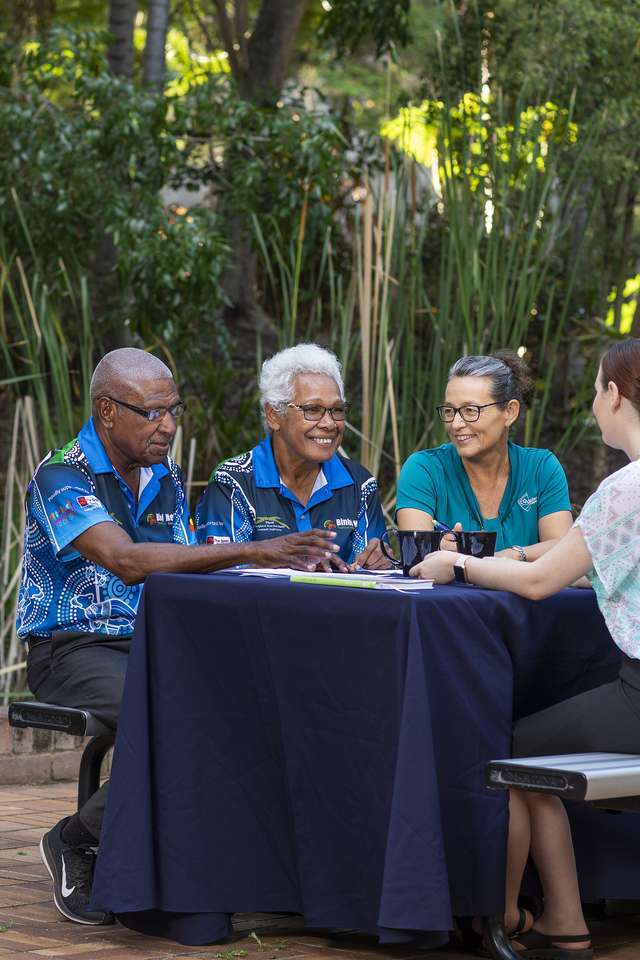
<point x="30" y="926"/>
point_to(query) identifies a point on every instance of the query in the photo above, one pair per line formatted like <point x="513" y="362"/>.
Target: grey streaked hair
<point x="126" y="366"/>
<point x="509" y="377"/>
<point x="280" y="370"/>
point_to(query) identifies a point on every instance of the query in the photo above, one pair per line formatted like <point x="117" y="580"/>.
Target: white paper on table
<point x="266" y="571"/>
<point x="384" y="579"/>
<point x="406" y="585"/>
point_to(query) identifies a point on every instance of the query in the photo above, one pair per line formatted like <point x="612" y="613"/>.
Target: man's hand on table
<point x="335" y="564"/>
<point x="302" y="551"/>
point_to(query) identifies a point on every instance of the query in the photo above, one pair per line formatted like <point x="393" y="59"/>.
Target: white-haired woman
<point x="296" y="479"/>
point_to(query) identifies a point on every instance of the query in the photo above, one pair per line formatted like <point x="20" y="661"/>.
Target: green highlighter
<point x="331" y="582"/>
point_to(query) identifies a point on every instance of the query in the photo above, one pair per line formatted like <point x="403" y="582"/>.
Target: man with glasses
<point x="104" y="512"/>
<point x="297" y="478"/>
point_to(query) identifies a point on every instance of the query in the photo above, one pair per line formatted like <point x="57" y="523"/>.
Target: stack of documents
<point x="369" y="579"/>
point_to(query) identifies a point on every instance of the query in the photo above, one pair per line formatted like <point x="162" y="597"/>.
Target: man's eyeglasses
<point x="313" y="412"/>
<point x="157" y="413"/>
<point x="470" y="412"/>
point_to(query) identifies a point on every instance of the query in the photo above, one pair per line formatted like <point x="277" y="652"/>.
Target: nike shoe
<point x="71" y="869"/>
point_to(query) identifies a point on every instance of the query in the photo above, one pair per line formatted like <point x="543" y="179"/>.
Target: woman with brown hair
<point x="482" y="480"/>
<point x="604" y="545"/>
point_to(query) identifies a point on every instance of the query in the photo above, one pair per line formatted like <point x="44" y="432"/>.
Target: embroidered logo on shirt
<point x="339" y="522"/>
<point x="62" y="514"/>
<point x="159" y="518"/>
<point x="526" y="502"/>
<point x="218" y="540"/>
<point x="271" y="523"/>
<point x="88" y="502"/>
<point x="56" y="493"/>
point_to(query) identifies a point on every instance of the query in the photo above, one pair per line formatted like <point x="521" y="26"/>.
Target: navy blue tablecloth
<point x="321" y="750"/>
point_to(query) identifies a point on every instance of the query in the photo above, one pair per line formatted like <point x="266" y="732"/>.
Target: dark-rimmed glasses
<point x="157" y="413"/>
<point x="470" y="412"/>
<point x="314" y="412"/>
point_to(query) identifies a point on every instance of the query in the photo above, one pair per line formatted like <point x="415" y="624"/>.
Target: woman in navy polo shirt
<point x="481" y="479"/>
<point x="296" y="478"/>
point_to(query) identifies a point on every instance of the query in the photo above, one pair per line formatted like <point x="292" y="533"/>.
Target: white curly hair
<point x="280" y="370"/>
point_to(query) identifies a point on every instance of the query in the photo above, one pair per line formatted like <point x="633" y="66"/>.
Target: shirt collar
<point x="94" y="451"/>
<point x="510" y="490"/>
<point x="265" y="469"/>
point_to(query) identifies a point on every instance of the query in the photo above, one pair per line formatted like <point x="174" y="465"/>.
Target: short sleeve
<point x="375" y="525"/>
<point x="222" y="514"/>
<point x="553" y="494"/>
<point x="610" y="524"/>
<point x="417" y="487"/>
<point x="64" y="502"/>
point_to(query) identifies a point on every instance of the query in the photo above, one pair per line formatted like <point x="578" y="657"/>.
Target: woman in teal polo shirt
<point x="481" y="479"/>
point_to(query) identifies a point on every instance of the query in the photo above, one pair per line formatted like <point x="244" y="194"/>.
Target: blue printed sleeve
<point x="223" y="514"/>
<point x="553" y="494"/>
<point x="183" y="526"/>
<point x="62" y="499"/>
<point x="374" y="518"/>
<point x="370" y="521"/>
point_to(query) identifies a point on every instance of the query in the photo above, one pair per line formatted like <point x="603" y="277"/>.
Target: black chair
<point x="79" y="723"/>
<point x="609" y="780"/>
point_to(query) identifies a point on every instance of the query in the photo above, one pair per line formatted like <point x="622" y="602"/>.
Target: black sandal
<point x="521" y="924"/>
<point x="544" y="946"/>
<point x="474" y="942"/>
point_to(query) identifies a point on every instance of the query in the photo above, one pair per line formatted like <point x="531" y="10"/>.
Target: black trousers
<point x="603" y="720"/>
<point x="86" y="671"/>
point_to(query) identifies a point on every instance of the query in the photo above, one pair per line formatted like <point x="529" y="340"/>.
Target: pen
<point x="441" y="527"/>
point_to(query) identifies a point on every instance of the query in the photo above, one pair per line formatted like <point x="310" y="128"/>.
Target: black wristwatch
<point x="459" y="571"/>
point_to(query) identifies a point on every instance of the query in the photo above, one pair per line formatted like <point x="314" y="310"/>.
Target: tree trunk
<point x="259" y="65"/>
<point x="270" y="48"/>
<point x="106" y="293"/>
<point x="154" y="50"/>
<point x="122" y="15"/>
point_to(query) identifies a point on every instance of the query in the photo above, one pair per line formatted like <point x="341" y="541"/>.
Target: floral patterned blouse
<point x="610" y="524"/>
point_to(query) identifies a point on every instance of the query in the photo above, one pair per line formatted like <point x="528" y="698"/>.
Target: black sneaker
<point x="71" y="870"/>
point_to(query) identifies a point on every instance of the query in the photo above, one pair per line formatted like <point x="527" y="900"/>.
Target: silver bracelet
<point x="520" y="551"/>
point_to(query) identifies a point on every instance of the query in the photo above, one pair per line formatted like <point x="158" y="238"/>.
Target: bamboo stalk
<point x="366" y="317"/>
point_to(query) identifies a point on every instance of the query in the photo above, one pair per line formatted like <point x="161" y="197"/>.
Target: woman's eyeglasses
<point x="313" y="412"/>
<point x="470" y="412"/>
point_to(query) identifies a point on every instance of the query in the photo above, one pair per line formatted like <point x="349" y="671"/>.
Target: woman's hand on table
<point x="448" y="541"/>
<point x="437" y="567"/>
<point x="372" y="557"/>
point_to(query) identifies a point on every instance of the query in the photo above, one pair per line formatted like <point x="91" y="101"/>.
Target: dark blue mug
<point x="476" y="543"/>
<point x="413" y="546"/>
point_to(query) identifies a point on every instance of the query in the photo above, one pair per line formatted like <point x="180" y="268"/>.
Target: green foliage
<point x="88" y="156"/>
<point x="262" y="161"/>
<point x="349" y="23"/>
<point x="519" y="239"/>
<point x="47" y="345"/>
